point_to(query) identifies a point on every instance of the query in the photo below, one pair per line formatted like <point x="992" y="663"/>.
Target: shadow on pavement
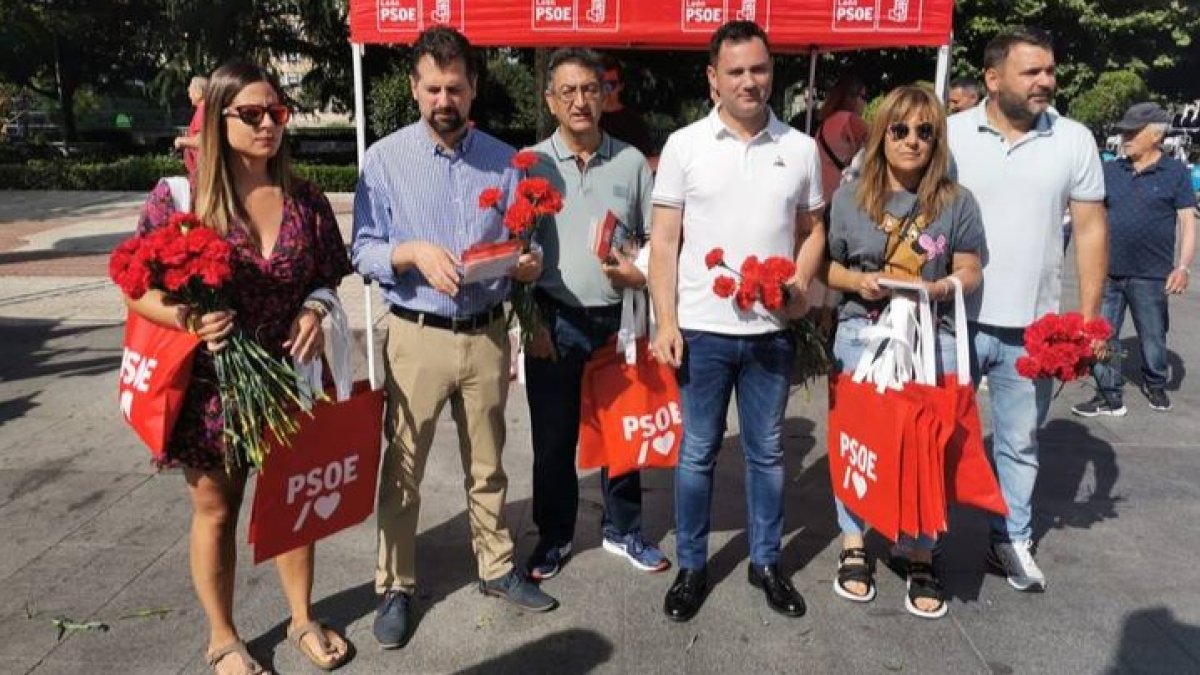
<point x="1131" y="365"/>
<point x="1153" y="641"/>
<point x="568" y="652"/>
<point x="36" y="349"/>
<point x="1062" y="498"/>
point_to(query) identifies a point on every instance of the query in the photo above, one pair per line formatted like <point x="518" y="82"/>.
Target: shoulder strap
<point x="181" y="192"/>
<point x="837" y="161"/>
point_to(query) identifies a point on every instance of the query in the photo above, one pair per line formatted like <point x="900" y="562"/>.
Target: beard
<point x="1019" y="106"/>
<point x="446" y="120"/>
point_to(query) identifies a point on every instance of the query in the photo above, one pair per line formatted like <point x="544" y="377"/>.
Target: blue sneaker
<point x="393" y="620"/>
<point x="639" y="552"/>
<point x="547" y="560"/>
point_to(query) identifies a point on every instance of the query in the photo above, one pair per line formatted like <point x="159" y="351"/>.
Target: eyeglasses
<point x="253" y="114"/>
<point x="591" y="91"/>
<point x="899" y="131"/>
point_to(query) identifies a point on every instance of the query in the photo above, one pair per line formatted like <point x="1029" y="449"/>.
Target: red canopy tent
<point x="796" y="26"/>
<point x="805" y="26"/>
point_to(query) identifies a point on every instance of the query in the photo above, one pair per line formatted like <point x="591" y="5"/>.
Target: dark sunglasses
<point x="253" y="114"/>
<point x="900" y="130"/>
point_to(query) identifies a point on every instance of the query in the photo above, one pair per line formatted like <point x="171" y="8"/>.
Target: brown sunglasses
<point x="253" y="114"/>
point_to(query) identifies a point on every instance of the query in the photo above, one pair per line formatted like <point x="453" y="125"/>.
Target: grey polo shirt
<point x="1023" y="189"/>
<point x="616" y="178"/>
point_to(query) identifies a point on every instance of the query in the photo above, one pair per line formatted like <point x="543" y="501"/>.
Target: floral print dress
<point x="266" y="293"/>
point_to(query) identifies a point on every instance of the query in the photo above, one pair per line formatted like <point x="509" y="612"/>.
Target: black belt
<point x="465" y="324"/>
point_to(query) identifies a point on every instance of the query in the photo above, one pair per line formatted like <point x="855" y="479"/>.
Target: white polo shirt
<point x="738" y="195"/>
<point x="1023" y="189"/>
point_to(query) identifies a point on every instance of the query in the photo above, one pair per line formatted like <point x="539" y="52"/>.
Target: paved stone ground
<point x="91" y="533"/>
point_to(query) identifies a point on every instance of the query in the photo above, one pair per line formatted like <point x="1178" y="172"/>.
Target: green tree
<point x="1111" y="96"/>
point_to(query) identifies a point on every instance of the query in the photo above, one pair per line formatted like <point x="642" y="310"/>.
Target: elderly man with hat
<point x="1150" y="206"/>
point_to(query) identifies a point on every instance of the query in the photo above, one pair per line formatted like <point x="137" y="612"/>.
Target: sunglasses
<point x="900" y="130"/>
<point x="253" y="114"/>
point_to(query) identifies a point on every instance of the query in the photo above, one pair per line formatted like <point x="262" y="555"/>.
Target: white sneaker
<point x="1016" y="561"/>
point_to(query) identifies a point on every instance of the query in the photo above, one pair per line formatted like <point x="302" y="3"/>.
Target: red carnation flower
<point x="549" y="205"/>
<point x="725" y="286"/>
<point x="779" y="269"/>
<point x="714" y="258"/>
<point x="490" y="197"/>
<point x="519" y="217"/>
<point x="524" y="160"/>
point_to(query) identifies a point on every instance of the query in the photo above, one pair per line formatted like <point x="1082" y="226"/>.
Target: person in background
<point x="190" y="143"/>
<point x="619" y="120"/>
<point x="841" y="130"/>
<point x="580" y="301"/>
<point x="1151" y="206"/>
<point x="742" y="180"/>
<point x="416" y="209"/>
<point x="964" y="93"/>
<point x="905" y="194"/>
<point x="286" y="244"/>
<point x="1026" y="165"/>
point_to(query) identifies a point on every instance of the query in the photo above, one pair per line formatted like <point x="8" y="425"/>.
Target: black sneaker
<point x="518" y="590"/>
<point x="1099" y="406"/>
<point x="1158" y="399"/>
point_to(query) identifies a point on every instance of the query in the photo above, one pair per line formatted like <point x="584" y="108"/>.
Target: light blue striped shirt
<point x="412" y="189"/>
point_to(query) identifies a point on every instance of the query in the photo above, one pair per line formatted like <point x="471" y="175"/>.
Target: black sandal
<point x="853" y="566"/>
<point x="922" y="584"/>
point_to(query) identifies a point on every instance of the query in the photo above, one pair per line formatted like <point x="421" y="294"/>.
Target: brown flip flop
<point x="296" y="637"/>
<point x="236" y="648"/>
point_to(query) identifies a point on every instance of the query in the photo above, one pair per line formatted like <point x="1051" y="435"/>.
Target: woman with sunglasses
<point x="286" y="245"/>
<point x="904" y="218"/>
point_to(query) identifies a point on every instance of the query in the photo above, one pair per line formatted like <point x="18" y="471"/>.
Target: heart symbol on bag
<point x="860" y="484"/>
<point x="663" y="444"/>
<point x="327" y="504"/>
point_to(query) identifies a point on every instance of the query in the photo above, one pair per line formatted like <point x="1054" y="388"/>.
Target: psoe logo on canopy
<point x="575" y="15"/>
<point x="414" y="16"/>
<point x="705" y="16"/>
<point x="877" y="15"/>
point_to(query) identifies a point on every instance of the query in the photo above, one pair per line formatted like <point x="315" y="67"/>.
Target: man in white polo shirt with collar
<point x="742" y="181"/>
<point x="1026" y="165"/>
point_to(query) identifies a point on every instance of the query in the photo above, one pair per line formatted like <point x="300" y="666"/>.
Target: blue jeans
<point x="1019" y="407"/>
<point x="554" y="391"/>
<point x="714" y="365"/>
<point x="1147" y="303"/>
<point x="848" y="346"/>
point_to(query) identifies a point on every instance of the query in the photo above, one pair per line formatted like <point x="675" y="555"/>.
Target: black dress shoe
<point x="686" y="595"/>
<point x="781" y="595"/>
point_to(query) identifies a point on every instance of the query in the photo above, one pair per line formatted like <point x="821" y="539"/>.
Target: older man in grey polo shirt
<point x="1025" y="164"/>
<point x="580" y="299"/>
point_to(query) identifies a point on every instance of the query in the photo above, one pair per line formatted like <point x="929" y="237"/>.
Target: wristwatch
<point x="316" y="307"/>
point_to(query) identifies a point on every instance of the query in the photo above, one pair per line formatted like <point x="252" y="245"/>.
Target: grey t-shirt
<point x="924" y="249"/>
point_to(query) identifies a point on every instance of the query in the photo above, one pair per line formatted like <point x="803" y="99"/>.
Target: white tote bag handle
<point x="962" y="339"/>
<point x="181" y="193"/>
<point x="902" y="345"/>
<point x="337" y="350"/>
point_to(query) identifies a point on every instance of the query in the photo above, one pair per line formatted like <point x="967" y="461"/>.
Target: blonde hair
<point x="216" y="200"/>
<point x="936" y="190"/>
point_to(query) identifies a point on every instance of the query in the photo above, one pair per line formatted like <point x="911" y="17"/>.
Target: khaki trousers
<point x="425" y="368"/>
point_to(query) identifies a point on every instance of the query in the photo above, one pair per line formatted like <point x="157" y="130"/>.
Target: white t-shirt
<point x="741" y="196"/>
<point x="1023" y="188"/>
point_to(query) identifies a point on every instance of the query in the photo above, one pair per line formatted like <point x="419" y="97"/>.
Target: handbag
<point x="156" y="365"/>
<point x="324" y="481"/>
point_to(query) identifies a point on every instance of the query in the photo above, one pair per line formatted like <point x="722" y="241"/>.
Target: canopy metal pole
<point x="810" y="96"/>
<point x="360" y="128"/>
<point x="941" y="80"/>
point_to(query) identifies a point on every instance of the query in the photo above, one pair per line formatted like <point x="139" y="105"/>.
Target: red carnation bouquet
<point x="191" y="264"/>
<point x="535" y="197"/>
<point x="765" y="281"/>
<point x="1060" y="346"/>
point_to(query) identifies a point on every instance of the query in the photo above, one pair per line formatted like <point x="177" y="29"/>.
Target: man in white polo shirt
<point x="743" y="181"/>
<point x="1026" y="165"/>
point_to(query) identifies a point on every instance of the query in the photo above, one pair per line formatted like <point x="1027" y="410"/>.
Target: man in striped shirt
<point x="415" y="211"/>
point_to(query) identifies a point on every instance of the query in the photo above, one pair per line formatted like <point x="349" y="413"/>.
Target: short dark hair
<point x="579" y="56"/>
<point x="613" y="63"/>
<point x="997" y="50"/>
<point x="735" y="31"/>
<point x="967" y="82"/>
<point x="445" y="45"/>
